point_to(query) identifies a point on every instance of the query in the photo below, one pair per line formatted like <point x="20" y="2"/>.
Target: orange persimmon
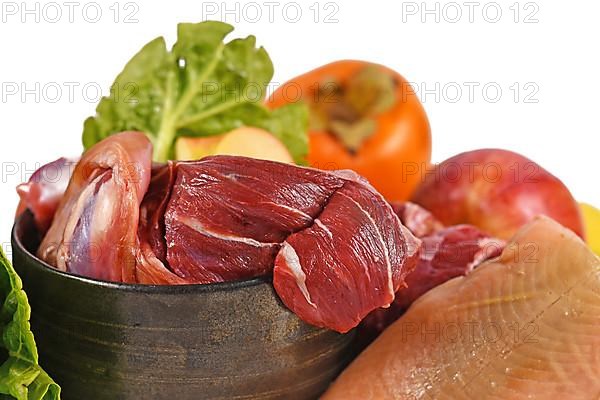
<point x="365" y="117"/>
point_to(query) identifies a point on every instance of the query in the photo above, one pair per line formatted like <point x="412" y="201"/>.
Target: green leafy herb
<point x="21" y="377"/>
<point x="202" y="87"/>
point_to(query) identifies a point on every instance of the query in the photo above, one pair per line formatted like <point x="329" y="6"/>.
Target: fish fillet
<point x="522" y="326"/>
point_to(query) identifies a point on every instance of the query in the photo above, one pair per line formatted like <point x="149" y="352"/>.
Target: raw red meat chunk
<point x="334" y="247"/>
<point x="445" y="253"/>
<point x="228" y="216"/>
<point x="46" y="187"/>
<point x="354" y="257"/>
<point x="339" y="250"/>
<point x="417" y="219"/>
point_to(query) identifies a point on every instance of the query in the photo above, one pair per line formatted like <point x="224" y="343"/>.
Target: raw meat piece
<point x="328" y="235"/>
<point x="522" y="326"/>
<point x="339" y="250"/>
<point x="150" y="270"/>
<point x="151" y="266"/>
<point x="44" y="191"/>
<point x="450" y="252"/>
<point x="228" y="216"/>
<point x="94" y="232"/>
<point x="417" y="219"/>
<point x="349" y="262"/>
<point x="152" y="210"/>
<point x="446" y="254"/>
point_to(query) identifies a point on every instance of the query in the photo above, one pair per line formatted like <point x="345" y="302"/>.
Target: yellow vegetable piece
<point x="196" y="148"/>
<point x="255" y="143"/>
<point x="591" y="219"/>
<point x="244" y="141"/>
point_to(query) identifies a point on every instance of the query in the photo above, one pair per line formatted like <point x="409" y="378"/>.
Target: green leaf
<point x="136" y="98"/>
<point x="202" y="87"/>
<point x="21" y="377"/>
<point x="286" y="123"/>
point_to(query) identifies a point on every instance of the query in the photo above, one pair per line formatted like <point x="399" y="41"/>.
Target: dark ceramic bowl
<point x="109" y="341"/>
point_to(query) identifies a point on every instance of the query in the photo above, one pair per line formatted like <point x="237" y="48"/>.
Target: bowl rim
<point x="44" y="267"/>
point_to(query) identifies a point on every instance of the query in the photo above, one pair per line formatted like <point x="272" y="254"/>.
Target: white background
<point x="557" y="57"/>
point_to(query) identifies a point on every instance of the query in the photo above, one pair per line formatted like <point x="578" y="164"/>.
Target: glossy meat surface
<point x="336" y="249"/>
<point x="418" y="220"/>
<point x="334" y="246"/>
<point x="94" y="231"/>
<point x="445" y="254"/>
<point x="151" y="256"/>
<point x="228" y="216"/>
<point x="44" y="190"/>
<point x="341" y="268"/>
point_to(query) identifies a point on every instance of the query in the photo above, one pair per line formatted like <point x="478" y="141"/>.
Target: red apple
<point x="497" y="191"/>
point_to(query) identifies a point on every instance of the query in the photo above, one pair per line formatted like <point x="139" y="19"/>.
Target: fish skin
<point x="543" y="297"/>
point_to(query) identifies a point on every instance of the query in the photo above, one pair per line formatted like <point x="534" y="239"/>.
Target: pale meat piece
<point x="94" y="231"/>
<point x="522" y="326"/>
<point x="44" y="190"/>
<point x="417" y="219"/>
